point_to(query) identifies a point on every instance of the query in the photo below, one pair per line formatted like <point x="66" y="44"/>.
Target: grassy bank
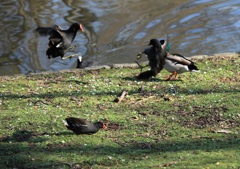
<point x="190" y="123"/>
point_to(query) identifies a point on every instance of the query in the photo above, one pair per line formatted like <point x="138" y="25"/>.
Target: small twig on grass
<point x="40" y="101"/>
<point x="122" y="96"/>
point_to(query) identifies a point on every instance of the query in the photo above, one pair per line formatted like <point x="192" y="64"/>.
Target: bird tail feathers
<point x="65" y="123"/>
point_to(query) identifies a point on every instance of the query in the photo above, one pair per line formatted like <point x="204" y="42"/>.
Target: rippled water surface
<point x="115" y="31"/>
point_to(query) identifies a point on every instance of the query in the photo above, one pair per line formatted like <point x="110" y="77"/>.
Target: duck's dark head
<point x="193" y="68"/>
<point x="76" y="26"/>
<point x="155" y="43"/>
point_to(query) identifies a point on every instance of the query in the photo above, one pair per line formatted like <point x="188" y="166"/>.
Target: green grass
<point x="159" y="124"/>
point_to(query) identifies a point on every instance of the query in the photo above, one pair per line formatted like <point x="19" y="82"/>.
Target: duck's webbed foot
<point x="176" y="76"/>
<point x="170" y="76"/>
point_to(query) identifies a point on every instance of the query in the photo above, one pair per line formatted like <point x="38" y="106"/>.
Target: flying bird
<point x="60" y="40"/>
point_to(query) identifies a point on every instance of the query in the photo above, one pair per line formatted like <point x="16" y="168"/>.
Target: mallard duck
<point x="82" y="126"/>
<point x="177" y="64"/>
<point x="156" y="55"/>
<point x="59" y="40"/>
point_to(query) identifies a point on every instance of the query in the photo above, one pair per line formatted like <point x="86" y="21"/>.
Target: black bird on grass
<point x="82" y="126"/>
<point x="59" y="40"/>
<point x="156" y="55"/>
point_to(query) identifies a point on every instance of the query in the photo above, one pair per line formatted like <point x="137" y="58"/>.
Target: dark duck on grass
<point x="156" y="55"/>
<point x="177" y="63"/>
<point x="82" y="126"/>
<point x="59" y="40"/>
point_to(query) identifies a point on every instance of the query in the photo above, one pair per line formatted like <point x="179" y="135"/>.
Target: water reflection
<point x="114" y="30"/>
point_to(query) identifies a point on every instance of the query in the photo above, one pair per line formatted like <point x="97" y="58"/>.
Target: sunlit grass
<point x="158" y="124"/>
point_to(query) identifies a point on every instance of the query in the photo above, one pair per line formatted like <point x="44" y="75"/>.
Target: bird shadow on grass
<point x="30" y="136"/>
<point x="127" y="149"/>
<point x="77" y="82"/>
<point x="23" y="136"/>
<point x="153" y="79"/>
<point x="134" y="78"/>
<point x="68" y="81"/>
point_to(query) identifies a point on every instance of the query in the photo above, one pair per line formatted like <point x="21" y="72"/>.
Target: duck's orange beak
<point x="81" y="28"/>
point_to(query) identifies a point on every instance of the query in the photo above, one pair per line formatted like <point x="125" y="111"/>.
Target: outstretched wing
<point x="44" y="31"/>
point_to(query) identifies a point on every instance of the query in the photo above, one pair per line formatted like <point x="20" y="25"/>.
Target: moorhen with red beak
<point x="82" y="126"/>
<point x="59" y="40"/>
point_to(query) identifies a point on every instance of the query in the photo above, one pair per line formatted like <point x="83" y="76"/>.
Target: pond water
<point x="115" y="30"/>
